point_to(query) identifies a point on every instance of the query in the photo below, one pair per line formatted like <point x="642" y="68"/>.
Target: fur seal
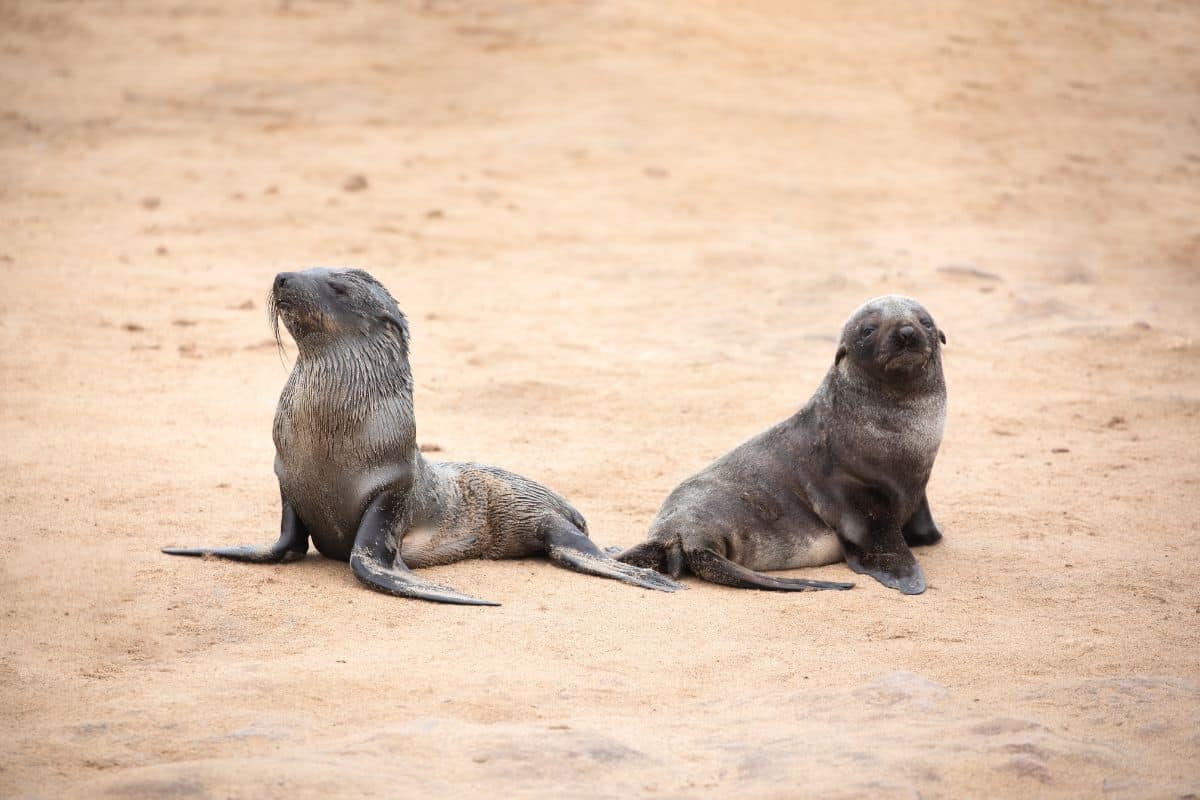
<point x="352" y="479"/>
<point x="842" y="478"/>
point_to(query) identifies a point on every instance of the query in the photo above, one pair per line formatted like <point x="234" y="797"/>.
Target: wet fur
<point x="351" y="477"/>
<point x="348" y="402"/>
<point x="345" y="432"/>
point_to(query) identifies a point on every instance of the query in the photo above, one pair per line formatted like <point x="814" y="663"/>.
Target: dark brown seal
<point x="843" y="478"/>
<point x="352" y="478"/>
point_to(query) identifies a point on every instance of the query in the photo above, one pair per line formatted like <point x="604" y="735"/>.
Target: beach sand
<point x="626" y="235"/>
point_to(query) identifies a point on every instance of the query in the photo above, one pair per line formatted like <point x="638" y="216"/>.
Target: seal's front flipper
<point x="712" y="566"/>
<point x="369" y="557"/>
<point x="570" y="547"/>
<point x="291" y="545"/>
<point x="910" y="581"/>
<point x="252" y="553"/>
<point x="887" y="559"/>
<point x="921" y="529"/>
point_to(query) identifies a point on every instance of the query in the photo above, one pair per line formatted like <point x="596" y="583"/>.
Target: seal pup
<point x="352" y="478"/>
<point x="842" y="478"/>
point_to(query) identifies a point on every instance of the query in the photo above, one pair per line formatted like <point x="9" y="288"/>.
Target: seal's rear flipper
<point x="712" y="566"/>
<point x="402" y="583"/>
<point x="665" y="557"/>
<point x="367" y="559"/>
<point x="568" y="546"/>
<point x="291" y="545"/>
<point x="650" y="555"/>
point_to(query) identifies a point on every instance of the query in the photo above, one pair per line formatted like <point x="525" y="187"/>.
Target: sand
<point x="625" y="235"/>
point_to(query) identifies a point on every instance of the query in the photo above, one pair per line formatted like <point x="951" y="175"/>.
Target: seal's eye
<point x="338" y="289"/>
<point x="867" y="331"/>
<point x="927" y="323"/>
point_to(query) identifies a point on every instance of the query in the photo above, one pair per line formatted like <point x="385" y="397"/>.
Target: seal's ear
<point x="841" y="353"/>
<point x="942" y="335"/>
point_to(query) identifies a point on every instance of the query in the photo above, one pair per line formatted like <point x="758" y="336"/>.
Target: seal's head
<point x="893" y="339"/>
<point x="322" y="307"/>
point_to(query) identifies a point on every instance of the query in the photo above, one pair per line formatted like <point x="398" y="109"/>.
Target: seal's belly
<point x="775" y="528"/>
<point x="482" y="512"/>
<point x="427" y="546"/>
<point x="814" y="552"/>
<point x="800" y="551"/>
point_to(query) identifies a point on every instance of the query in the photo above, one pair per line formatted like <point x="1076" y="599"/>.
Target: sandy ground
<point x="625" y="235"/>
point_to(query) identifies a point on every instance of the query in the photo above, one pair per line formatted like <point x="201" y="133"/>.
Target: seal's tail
<point x="712" y="566"/>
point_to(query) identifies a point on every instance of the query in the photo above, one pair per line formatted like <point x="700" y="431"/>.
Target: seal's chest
<point x="319" y="503"/>
<point x="313" y="468"/>
<point x="909" y="433"/>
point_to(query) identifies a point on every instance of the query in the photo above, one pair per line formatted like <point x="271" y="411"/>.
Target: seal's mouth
<point x="300" y="313"/>
<point x="908" y="360"/>
<point x="283" y="298"/>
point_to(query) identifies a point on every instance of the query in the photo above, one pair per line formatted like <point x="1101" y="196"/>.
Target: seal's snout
<point x="906" y="335"/>
<point x="286" y="289"/>
<point x="906" y="347"/>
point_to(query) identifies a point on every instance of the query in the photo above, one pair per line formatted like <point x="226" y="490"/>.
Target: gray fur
<point x="345" y="432"/>
<point x="352" y="479"/>
<point x="842" y="478"/>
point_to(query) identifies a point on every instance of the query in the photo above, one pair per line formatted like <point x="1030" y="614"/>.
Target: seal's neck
<point x="908" y="417"/>
<point x="350" y="379"/>
<point x="859" y="400"/>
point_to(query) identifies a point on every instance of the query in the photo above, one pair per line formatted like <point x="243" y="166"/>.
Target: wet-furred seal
<point x="352" y="478"/>
<point x="844" y="477"/>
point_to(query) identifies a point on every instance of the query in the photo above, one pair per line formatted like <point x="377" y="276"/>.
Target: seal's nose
<point x="906" y="334"/>
<point x="281" y="280"/>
